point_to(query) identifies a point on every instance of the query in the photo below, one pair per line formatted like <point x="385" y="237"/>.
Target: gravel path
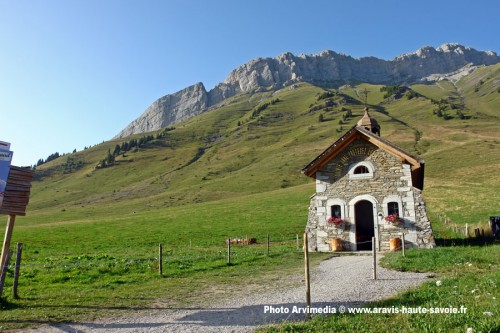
<point x="340" y="281"/>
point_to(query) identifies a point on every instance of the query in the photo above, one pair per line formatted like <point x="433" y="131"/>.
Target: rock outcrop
<point x="170" y="109"/>
<point x="326" y="68"/>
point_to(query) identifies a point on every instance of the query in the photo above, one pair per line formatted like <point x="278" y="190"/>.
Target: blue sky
<point x="73" y="73"/>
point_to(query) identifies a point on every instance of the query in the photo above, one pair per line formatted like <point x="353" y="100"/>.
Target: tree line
<point x="132" y="144"/>
<point x="126" y="146"/>
<point x="72" y="164"/>
<point x="261" y="107"/>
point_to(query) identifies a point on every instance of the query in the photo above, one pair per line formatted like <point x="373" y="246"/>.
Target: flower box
<point x="393" y="219"/>
<point x="336" y="221"/>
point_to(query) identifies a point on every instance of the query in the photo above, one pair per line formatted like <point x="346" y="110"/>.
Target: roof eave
<point x="333" y="150"/>
<point x="417" y="163"/>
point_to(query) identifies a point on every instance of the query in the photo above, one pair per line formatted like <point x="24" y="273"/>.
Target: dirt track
<point x="339" y="282"/>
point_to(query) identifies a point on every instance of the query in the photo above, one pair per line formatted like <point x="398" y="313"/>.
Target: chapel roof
<point x="358" y="132"/>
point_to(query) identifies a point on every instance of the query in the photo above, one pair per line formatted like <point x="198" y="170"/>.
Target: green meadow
<point x="91" y="234"/>
<point x="465" y="277"/>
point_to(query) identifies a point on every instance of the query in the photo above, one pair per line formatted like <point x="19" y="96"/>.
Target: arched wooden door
<point x="363" y="215"/>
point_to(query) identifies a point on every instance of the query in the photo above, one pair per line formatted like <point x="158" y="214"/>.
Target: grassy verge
<point x="103" y="265"/>
<point x="469" y="277"/>
<point x="90" y="288"/>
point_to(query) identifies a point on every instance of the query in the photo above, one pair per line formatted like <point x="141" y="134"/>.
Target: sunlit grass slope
<point x="234" y="151"/>
<point x="235" y="172"/>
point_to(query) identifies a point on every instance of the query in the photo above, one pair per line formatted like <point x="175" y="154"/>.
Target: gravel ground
<point x="344" y="281"/>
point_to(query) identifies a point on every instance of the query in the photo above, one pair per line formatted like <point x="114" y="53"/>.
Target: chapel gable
<point x="366" y="188"/>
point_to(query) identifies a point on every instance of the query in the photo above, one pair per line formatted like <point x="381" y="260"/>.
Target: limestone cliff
<point x="170" y="109"/>
<point x="325" y="68"/>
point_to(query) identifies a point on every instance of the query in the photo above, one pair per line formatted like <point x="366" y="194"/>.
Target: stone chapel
<point x="366" y="187"/>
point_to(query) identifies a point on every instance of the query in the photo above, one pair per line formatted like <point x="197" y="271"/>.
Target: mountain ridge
<point x="252" y="145"/>
<point x="327" y="68"/>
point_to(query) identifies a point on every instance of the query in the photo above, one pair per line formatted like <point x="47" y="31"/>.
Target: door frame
<point x="352" y="215"/>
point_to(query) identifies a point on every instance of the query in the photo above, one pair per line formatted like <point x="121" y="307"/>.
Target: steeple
<point x="369" y="123"/>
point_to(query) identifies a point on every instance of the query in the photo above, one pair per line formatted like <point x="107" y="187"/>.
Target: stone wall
<point x="389" y="180"/>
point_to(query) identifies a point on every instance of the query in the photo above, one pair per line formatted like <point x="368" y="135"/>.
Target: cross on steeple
<point x="365" y="93"/>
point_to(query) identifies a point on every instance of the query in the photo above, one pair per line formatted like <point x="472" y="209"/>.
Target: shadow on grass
<point x="6" y="305"/>
<point x="479" y="241"/>
<point x="180" y="319"/>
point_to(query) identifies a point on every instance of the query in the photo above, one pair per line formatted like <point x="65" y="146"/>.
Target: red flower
<point x="393" y="219"/>
<point x="335" y="220"/>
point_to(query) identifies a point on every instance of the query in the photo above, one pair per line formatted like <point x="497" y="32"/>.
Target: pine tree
<point x="110" y="158"/>
<point x="116" y="152"/>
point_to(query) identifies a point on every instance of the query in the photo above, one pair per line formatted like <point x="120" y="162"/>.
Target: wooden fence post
<point x="4" y="271"/>
<point x="374" y="255"/>
<point x="297" y="239"/>
<point x="308" y="285"/>
<point x="229" y="251"/>
<point x="403" y="244"/>
<point x="160" y="259"/>
<point x="6" y="242"/>
<point x="268" y="245"/>
<point x="17" y="269"/>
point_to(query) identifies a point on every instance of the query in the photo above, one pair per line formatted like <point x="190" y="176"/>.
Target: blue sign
<point x="5" y="159"/>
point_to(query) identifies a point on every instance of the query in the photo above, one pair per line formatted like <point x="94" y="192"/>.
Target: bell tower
<point x="369" y="123"/>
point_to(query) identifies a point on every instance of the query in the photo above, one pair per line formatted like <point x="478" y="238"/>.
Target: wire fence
<point x="169" y="260"/>
<point x="174" y="256"/>
<point x="179" y="256"/>
<point x="143" y="262"/>
<point x="173" y="259"/>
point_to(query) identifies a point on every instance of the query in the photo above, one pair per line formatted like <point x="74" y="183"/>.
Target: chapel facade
<point x="366" y="187"/>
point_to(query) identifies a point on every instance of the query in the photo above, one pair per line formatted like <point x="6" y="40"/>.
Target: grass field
<point x="91" y="235"/>
<point x="466" y="277"/>
<point x="84" y="268"/>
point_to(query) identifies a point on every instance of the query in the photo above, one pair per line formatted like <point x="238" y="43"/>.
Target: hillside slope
<point x="258" y="143"/>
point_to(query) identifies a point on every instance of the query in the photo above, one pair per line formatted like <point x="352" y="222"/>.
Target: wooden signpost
<point x="15" y="200"/>
<point x="306" y="269"/>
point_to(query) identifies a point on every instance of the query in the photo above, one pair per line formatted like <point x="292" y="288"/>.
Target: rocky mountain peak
<point x="325" y="68"/>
